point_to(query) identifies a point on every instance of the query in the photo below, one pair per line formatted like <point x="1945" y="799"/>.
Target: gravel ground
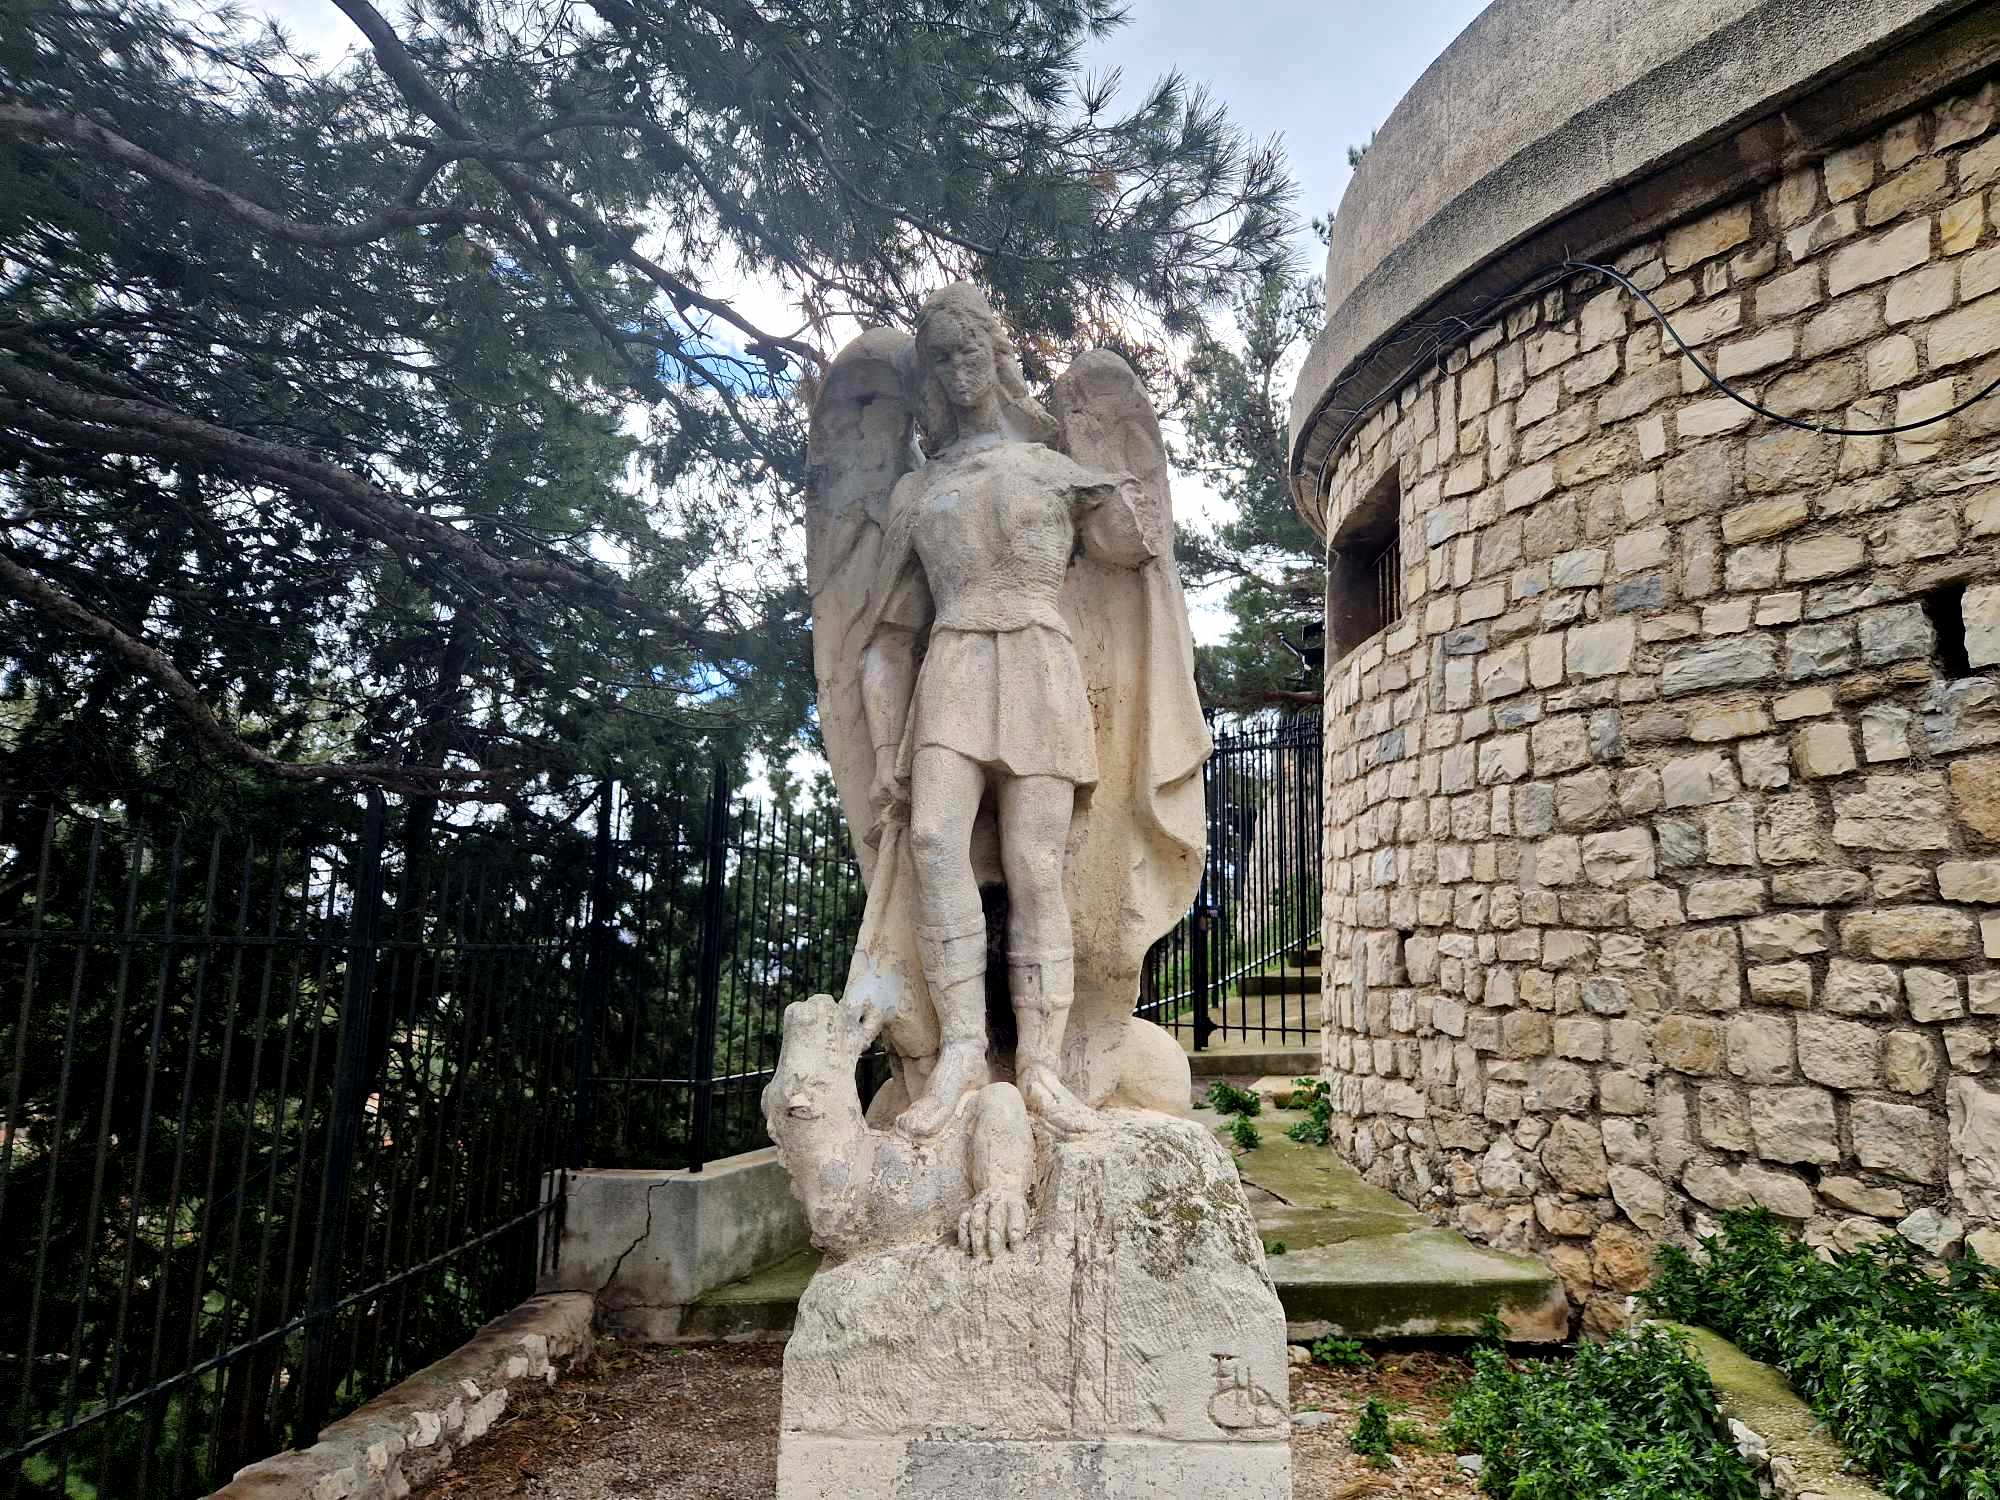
<point x="701" y="1423"/>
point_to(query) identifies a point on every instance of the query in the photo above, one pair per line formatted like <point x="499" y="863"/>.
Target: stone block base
<point x="1133" y="1347"/>
<point x="1125" y="1468"/>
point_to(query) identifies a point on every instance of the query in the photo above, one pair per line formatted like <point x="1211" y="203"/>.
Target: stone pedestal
<point x="1133" y="1347"/>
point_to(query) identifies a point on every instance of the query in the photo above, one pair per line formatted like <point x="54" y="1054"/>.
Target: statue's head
<point x="962" y="355"/>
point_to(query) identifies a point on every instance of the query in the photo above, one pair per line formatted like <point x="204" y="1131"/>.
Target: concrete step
<point x="1361" y="1263"/>
<point x="1251" y="1060"/>
<point x="1304" y="958"/>
<point x="1289" y="982"/>
<point x="1358" y="1261"/>
<point x="759" y="1307"/>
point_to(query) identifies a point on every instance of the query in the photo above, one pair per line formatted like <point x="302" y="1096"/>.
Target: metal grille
<point x="1389" y="581"/>
<point x="1238" y="965"/>
<point x="281" y="1111"/>
<point x="277" y="1118"/>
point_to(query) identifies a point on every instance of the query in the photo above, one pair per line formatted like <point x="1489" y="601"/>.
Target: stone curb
<point x="407" y="1436"/>
<point x="1787" y="1447"/>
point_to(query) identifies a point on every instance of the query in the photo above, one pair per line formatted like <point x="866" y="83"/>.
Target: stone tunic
<point x="994" y="532"/>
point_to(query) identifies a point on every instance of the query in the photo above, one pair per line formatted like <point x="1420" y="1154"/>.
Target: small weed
<point x="1372" y="1437"/>
<point x="1244" y="1135"/>
<point x="1230" y="1100"/>
<point x="1403" y="1433"/>
<point x="1274" y="1247"/>
<point x="1339" y="1354"/>
<point x="1315" y="1097"/>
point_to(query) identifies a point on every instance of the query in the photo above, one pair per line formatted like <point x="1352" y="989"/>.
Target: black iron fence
<point x="277" y="1115"/>
<point x="280" y="1108"/>
<point x="715" y="925"/>
<point x="1243" y="964"/>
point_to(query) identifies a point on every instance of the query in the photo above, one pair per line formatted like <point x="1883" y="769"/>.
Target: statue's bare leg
<point x="1041" y="969"/>
<point x="1000" y="1150"/>
<point x="945" y="789"/>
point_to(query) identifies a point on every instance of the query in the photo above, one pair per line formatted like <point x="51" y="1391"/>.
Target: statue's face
<point x="961" y="361"/>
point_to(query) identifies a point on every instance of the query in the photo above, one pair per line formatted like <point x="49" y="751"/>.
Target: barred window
<point x="1364" y="576"/>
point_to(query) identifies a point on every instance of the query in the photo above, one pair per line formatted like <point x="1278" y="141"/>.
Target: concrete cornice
<point x="1582" y="125"/>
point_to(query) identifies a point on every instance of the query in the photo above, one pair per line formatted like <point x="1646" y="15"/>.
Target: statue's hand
<point x="994" y="1221"/>
<point x="888" y="788"/>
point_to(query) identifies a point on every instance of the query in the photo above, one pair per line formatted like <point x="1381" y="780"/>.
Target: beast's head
<point x="813" y="1087"/>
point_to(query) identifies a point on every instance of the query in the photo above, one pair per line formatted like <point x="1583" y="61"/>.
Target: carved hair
<point x="1023" y="417"/>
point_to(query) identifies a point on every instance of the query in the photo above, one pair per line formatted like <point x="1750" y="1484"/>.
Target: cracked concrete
<point x="648" y="1244"/>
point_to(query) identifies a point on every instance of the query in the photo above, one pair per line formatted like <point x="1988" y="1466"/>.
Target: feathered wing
<point x="859" y="443"/>
<point x="1136" y="849"/>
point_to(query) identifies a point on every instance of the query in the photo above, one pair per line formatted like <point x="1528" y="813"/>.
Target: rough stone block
<point x="1727" y="662"/>
<point x="1907" y="932"/>
<point x="1900" y="1139"/>
<point x="1794" y="1125"/>
<point x="1601" y="650"/>
<point x="1782" y="984"/>
<point x="1893" y="813"/>
<point x="1132" y="1344"/>
<point x="1823" y="750"/>
<point x="1975" y="788"/>
<point x="1839" y="1054"/>
<point x="1749" y="1187"/>
<point x="1982" y="624"/>
<point x="1975" y="1146"/>
<point x="1760" y="1048"/>
<point x="1909" y="1062"/>
<point x="1706" y="968"/>
<point x="1879" y="257"/>
<point x="1858" y="989"/>
<point x="1697" y="780"/>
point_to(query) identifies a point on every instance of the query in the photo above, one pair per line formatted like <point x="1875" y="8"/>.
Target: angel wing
<point x="1136" y="850"/>
<point x="861" y="440"/>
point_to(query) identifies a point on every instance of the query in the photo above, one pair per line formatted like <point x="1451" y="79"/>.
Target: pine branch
<point x="154" y="664"/>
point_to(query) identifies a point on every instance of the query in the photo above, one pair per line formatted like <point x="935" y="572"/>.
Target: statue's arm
<point x="889" y="678"/>
<point x="1113" y="516"/>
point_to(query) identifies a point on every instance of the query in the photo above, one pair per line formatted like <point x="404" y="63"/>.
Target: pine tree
<point x="1235" y="420"/>
<point x="405" y="421"/>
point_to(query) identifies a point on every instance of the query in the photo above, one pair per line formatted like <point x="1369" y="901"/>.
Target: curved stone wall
<point x="1663" y="830"/>
<point x="1568" y="125"/>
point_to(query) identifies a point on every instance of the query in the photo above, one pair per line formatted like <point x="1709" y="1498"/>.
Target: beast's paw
<point x="994" y="1221"/>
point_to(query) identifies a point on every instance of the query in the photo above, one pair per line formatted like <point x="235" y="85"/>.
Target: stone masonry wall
<point x="1663" y="852"/>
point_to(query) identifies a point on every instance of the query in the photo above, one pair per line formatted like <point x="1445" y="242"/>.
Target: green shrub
<point x="1230" y="1100"/>
<point x="1633" y="1418"/>
<point x="1902" y="1363"/>
<point x="1339" y="1354"/>
<point x="1244" y="1134"/>
<point x="1315" y="1097"/>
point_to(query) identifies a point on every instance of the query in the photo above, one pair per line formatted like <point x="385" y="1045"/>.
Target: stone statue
<point x="1006" y="693"/>
<point x="1007" y="697"/>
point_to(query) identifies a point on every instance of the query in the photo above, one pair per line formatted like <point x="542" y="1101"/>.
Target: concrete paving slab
<point x="1361" y="1263"/>
<point x="1358" y="1261"/>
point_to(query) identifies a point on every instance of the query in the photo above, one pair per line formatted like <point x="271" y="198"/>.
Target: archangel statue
<point x="1007" y="697"/>
<point x="1006" y="693"/>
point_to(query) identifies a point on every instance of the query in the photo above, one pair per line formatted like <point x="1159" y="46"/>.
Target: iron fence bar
<point x="344" y="1126"/>
<point x="590" y="994"/>
<point x="708" y="986"/>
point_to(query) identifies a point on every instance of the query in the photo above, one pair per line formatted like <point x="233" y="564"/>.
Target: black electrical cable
<point x="1764" y="411"/>
<point x="1495" y="310"/>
